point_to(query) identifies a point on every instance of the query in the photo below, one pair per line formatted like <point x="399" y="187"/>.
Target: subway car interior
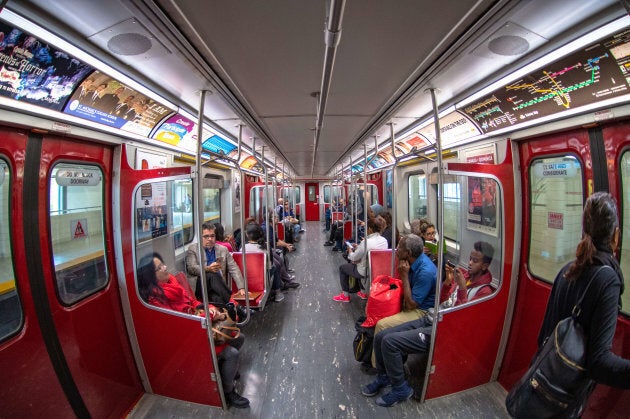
<point x="127" y="127"/>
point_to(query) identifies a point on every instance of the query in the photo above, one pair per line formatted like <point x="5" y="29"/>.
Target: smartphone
<point x="219" y="260"/>
<point x="349" y="245"/>
<point x="450" y="264"/>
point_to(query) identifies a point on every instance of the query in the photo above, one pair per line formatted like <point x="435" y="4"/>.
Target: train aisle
<point x="297" y="360"/>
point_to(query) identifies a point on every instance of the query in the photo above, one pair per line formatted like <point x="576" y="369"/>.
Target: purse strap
<point x="577" y="309"/>
<point x="225" y="335"/>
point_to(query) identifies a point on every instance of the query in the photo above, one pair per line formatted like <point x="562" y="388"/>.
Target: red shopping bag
<point x="385" y="299"/>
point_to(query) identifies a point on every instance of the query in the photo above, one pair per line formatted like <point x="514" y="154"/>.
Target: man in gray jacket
<point x="216" y="261"/>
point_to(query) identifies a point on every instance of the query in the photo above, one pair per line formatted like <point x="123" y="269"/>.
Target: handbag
<point x="385" y="299"/>
<point x="224" y="331"/>
<point x="363" y="341"/>
<point x="556" y="383"/>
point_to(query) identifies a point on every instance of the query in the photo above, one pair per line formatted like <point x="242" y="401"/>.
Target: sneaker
<point x="301" y="230"/>
<point x="342" y="298"/>
<point x="328" y="243"/>
<point x="375" y="386"/>
<point x="278" y="297"/>
<point x="362" y="296"/>
<point x="290" y="285"/>
<point x="236" y="400"/>
<point x="397" y="395"/>
<point x="336" y="249"/>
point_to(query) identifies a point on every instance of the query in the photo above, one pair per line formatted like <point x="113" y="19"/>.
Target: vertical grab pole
<point x="274" y="183"/>
<point x="438" y="147"/>
<point x="394" y="220"/>
<point x="197" y="207"/>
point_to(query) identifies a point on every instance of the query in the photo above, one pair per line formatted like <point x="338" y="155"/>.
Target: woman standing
<point x="601" y="303"/>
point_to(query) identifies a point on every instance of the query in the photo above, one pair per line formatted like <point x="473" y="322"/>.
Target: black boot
<point x="236" y="400"/>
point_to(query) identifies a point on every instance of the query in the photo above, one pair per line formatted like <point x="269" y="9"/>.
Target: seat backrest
<point x="347" y="230"/>
<point x="256" y="270"/>
<point x="280" y="227"/>
<point x="336" y="216"/>
<point x="182" y="279"/>
<point x="380" y="263"/>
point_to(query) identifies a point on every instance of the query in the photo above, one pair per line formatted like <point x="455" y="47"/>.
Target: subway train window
<point x="472" y="220"/>
<point x="211" y="204"/>
<point x="182" y="212"/>
<point x="337" y="192"/>
<point x="624" y="207"/>
<point x="76" y="218"/>
<point x="285" y="193"/>
<point x="418" y="202"/>
<point x="556" y="200"/>
<point x="11" y="313"/>
<point x="258" y="202"/>
<point x="452" y="210"/>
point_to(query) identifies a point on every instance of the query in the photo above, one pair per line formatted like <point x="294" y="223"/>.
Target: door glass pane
<point x="624" y="205"/>
<point x="11" y="313"/>
<point x="418" y="202"/>
<point x="76" y="225"/>
<point x="556" y="204"/>
<point x="311" y="194"/>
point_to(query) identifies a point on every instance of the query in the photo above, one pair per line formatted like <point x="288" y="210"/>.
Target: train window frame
<point x="12" y="319"/>
<point x="256" y="210"/>
<point x="472" y="231"/>
<point x="624" y="224"/>
<point x="332" y="192"/>
<point x="547" y="270"/>
<point x="77" y="278"/>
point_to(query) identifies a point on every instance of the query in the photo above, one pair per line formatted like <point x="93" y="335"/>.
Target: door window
<point x="11" y="313"/>
<point x="76" y="216"/>
<point x="556" y="200"/>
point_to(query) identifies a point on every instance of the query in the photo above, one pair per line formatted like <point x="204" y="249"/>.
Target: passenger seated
<point x="428" y="233"/>
<point x="387" y="233"/>
<point x="158" y="287"/>
<point x="216" y="262"/>
<point x="461" y="286"/>
<point x="357" y="255"/>
<point x="391" y="347"/>
<point x="418" y="275"/>
<point x="221" y="238"/>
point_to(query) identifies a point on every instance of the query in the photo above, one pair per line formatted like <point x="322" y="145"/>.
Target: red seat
<point x="280" y="228"/>
<point x="256" y="276"/>
<point x="336" y="216"/>
<point x="182" y="279"/>
<point x="347" y="230"/>
<point x="380" y="263"/>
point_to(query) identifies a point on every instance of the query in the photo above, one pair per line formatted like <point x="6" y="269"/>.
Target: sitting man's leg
<point x="395" y="320"/>
<point x="394" y="349"/>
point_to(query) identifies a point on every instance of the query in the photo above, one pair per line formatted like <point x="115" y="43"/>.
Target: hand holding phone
<point x="349" y="245"/>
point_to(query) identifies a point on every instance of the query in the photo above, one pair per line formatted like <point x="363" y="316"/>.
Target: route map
<point x="598" y="72"/>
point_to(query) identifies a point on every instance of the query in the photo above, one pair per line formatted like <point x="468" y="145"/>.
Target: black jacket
<point x="600" y="308"/>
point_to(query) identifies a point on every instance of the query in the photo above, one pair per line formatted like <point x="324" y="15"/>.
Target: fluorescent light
<point x="65" y="46"/>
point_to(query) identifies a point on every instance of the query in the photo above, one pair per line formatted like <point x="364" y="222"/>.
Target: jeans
<point x="391" y="347"/>
<point x="228" y="363"/>
<point x="345" y="272"/>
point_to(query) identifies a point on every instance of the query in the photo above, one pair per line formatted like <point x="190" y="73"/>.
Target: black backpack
<point x="363" y="341"/>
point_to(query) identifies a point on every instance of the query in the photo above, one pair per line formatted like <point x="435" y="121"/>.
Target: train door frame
<point x="85" y="334"/>
<point x="445" y="374"/>
<point x="174" y="378"/>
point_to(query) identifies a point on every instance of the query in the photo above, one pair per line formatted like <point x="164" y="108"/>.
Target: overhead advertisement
<point x="175" y="129"/>
<point x="592" y="74"/>
<point x="107" y="101"/>
<point x="219" y="145"/>
<point x="32" y="71"/>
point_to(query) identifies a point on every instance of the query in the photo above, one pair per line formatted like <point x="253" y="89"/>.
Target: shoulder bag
<point x="556" y="383"/>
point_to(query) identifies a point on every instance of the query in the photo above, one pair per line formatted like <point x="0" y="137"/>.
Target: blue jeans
<point x="391" y="347"/>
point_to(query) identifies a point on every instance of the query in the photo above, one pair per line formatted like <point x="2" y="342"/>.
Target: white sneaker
<point x="279" y="297"/>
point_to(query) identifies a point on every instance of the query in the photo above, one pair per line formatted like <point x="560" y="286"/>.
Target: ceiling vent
<point x="129" y="39"/>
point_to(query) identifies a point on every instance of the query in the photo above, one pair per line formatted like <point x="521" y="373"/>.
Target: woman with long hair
<point x="600" y="307"/>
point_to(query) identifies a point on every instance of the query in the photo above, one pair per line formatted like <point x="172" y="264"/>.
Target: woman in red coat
<point x="159" y="288"/>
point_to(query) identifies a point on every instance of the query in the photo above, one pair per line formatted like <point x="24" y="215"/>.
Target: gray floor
<point x="297" y="360"/>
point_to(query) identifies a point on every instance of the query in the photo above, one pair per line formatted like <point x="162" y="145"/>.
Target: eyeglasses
<point x="209" y="236"/>
<point x="430" y="233"/>
<point x="160" y="267"/>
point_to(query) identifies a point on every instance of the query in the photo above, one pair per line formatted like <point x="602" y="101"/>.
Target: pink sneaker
<point x="362" y="296"/>
<point x="342" y="298"/>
